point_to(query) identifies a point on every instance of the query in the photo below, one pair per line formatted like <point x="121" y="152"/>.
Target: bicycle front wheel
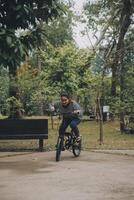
<point x="59" y="147"/>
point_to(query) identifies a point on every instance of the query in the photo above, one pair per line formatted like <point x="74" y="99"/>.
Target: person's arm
<point x="77" y="109"/>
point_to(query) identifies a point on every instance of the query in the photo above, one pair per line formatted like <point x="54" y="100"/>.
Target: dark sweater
<point x="67" y="111"/>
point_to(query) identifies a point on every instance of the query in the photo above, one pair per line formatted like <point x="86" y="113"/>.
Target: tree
<point x="61" y="65"/>
<point x="20" y="32"/>
<point x="59" y="31"/>
<point x="110" y="20"/>
<point x="61" y="69"/>
<point x="116" y="18"/>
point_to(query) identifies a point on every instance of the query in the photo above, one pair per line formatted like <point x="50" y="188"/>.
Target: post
<point x="101" y="121"/>
<point x="52" y="121"/>
<point x="41" y="144"/>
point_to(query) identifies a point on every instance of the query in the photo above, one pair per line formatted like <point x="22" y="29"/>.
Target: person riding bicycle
<point x="71" y="113"/>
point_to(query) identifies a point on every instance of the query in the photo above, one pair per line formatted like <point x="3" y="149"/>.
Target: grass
<point x="112" y="138"/>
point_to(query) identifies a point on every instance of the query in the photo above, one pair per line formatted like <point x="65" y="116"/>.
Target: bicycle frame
<point x="68" y="142"/>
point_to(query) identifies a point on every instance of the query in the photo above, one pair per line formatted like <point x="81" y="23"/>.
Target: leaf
<point x="2" y="31"/>
<point x="18" y="7"/>
<point x="9" y="40"/>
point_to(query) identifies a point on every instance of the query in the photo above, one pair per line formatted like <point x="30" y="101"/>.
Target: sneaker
<point x="63" y="148"/>
<point x="78" y="139"/>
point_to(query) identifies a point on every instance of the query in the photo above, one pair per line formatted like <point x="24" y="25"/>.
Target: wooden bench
<point x="24" y="129"/>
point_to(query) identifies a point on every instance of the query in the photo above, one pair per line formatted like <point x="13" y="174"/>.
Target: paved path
<point x="92" y="176"/>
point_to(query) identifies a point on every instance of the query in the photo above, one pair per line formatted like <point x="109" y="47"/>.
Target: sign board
<point x="106" y="109"/>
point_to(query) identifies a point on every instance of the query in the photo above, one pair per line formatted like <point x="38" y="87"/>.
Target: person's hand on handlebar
<point x="76" y="111"/>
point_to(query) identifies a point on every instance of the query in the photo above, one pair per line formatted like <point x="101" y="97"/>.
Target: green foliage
<point x="16" y="104"/>
<point x="28" y="83"/>
<point x="59" y="31"/>
<point x="4" y="87"/>
<point x="104" y="18"/>
<point x="102" y="13"/>
<point x="60" y="67"/>
<point x="22" y="15"/>
<point x="21" y="31"/>
<point x="60" y="70"/>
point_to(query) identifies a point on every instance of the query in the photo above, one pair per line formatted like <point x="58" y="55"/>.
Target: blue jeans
<point x="69" y="122"/>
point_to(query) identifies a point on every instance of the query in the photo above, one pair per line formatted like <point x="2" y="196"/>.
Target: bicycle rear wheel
<point x="76" y="148"/>
<point x="59" y="147"/>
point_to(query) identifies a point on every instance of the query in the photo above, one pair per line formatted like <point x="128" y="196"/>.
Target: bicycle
<point x="68" y="142"/>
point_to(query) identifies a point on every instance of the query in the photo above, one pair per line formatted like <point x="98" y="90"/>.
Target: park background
<point x="40" y="57"/>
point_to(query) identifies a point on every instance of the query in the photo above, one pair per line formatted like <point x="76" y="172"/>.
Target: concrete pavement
<point x="111" y="151"/>
<point x="92" y="176"/>
<point x="127" y="152"/>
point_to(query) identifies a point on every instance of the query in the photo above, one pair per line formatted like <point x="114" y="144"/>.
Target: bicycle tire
<point x="76" y="148"/>
<point x="59" y="148"/>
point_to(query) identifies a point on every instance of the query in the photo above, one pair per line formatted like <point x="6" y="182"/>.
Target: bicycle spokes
<point x="68" y="142"/>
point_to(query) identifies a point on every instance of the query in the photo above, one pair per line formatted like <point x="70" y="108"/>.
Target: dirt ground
<point x="92" y="176"/>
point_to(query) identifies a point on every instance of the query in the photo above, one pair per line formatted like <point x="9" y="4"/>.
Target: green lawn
<point x="113" y="139"/>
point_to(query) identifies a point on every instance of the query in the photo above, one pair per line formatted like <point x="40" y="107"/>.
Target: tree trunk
<point x="99" y="109"/>
<point x="114" y="81"/>
<point x="15" y="111"/>
<point x="125" y="21"/>
<point x="105" y="28"/>
<point x="122" y="88"/>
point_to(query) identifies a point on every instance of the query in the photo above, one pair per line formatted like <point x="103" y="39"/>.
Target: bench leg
<point x="40" y="144"/>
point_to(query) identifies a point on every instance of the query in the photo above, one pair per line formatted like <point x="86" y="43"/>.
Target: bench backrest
<point x="25" y="128"/>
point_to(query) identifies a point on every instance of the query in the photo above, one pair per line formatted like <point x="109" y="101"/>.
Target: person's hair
<point x="65" y="94"/>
